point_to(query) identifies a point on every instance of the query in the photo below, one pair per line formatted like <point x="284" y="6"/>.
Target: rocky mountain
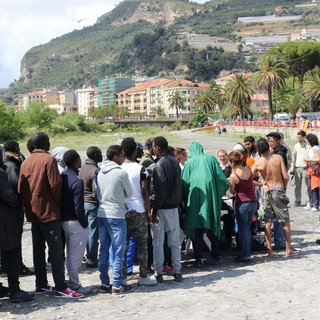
<point x="141" y="37"/>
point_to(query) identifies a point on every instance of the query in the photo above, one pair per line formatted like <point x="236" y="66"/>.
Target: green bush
<point x="109" y="126"/>
<point x="176" y="125"/>
<point x="10" y="126"/>
<point x="92" y="126"/>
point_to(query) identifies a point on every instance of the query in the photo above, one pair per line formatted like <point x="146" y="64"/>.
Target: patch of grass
<point x="80" y="141"/>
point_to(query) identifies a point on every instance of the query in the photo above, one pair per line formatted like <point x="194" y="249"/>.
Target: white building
<point x="85" y="100"/>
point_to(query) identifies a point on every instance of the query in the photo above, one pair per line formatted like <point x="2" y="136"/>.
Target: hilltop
<point x="140" y="37"/>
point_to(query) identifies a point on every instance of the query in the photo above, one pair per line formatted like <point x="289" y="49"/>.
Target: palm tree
<point x="206" y="101"/>
<point x="311" y="86"/>
<point x="176" y="101"/>
<point x="293" y="103"/>
<point x="234" y="111"/>
<point x="270" y="77"/>
<point x="238" y="93"/>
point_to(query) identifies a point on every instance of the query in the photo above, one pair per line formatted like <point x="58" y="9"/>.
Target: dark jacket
<point x="9" y="226"/>
<point x="40" y="187"/>
<point x="166" y="184"/>
<point x="13" y="169"/>
<point x="282" y="151"/>
<point x="86" y="174"/>
<point x="73" y="197"/>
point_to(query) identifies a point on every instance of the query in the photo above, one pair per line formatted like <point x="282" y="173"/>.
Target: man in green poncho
<point x="203" y="184"/>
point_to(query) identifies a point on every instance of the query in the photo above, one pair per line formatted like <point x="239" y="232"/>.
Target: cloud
<point x="27" y="23"/>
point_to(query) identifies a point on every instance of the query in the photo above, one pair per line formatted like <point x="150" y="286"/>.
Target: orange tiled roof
<point x="230" y="76"/>
<point x="141" y="87"/>
<point x="260" y="97"/>
<point x="34" y="93"/>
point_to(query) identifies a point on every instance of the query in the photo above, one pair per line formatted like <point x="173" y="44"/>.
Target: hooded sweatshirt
<point x="58" y="153"/>
<point x="113" y="186"/>
<point x="203" y="185"/>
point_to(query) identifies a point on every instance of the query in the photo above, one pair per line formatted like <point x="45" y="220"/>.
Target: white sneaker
<point x="148" y="281"/>
<point x="314" y="209"/>
<point x="308" y="207"/>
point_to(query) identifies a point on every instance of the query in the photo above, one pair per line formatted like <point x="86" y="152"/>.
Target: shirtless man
<point x="274" y="173"/>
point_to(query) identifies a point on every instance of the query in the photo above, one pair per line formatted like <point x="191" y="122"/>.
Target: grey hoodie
<point x="58" y="153"/>
<point x="113" y="186"/>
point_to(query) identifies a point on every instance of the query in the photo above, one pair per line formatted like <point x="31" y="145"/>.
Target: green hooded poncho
<point x="203" y="185"/>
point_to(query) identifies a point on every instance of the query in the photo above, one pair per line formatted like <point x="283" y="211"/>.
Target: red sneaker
<point x="68" y="294"/>
<point x="167" y="269"/>
<point x="45" y="289"/>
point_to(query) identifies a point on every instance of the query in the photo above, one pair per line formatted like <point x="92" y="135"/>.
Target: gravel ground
<point x="267" y="288"/>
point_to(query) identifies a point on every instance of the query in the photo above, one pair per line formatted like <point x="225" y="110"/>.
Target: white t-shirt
<point x="136" y="173"/>
<point x="311" y="153"/>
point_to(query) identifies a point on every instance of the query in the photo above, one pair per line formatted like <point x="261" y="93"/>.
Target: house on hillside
<point x="259" y="101"/>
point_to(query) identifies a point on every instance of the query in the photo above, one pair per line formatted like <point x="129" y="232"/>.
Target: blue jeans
<point x="244" y="214"/>
<point x="278" y="234"/>
<point x="93" y="238"/>
<point x="112" y="232"/>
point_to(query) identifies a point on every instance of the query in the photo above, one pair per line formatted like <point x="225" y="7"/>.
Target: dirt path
<point x="276" y="288"/>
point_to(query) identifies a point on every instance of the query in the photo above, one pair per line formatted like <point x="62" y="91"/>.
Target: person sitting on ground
<point x="274" y="173"/>
<point x="73" y="219"/>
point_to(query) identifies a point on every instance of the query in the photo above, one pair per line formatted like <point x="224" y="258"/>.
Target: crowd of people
<point x="144" y="201"/>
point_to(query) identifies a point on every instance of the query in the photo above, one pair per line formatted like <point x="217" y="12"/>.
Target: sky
<point x="27" y="23"/>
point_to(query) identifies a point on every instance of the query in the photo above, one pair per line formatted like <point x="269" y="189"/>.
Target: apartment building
<point x="147" y="97"/>
<point x="109" y="87"/>
<point x="137" y="99"/>
<point x="188" y="90"/>
<point x="28" y="97"/>
<point x="85" y="99"/>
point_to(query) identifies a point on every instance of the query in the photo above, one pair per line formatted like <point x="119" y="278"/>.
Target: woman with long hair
<point x="313" y="164"/>
<point x="241" y="181"/>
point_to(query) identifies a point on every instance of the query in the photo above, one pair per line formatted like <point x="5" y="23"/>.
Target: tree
<point x="39" y="115"/>
<point x="206" y="101"/>
<point x="234" y="111"/>
<point x="10" y="126"/>
<point x="299" y="56"/>
<point x="176" y="101"/>
<point x="159" y="111"/>
<point x="311" y="86"/>
<point x="270" y="77"/>
<point x="294" y="103"/>
<point x="238" y="93"/>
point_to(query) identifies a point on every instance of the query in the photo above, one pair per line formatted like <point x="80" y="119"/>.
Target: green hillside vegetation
<point x="105" y="49"/>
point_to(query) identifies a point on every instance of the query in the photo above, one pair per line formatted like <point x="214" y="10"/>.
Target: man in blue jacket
<point x="73" y="218"/>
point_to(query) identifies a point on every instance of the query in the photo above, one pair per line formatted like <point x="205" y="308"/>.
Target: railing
<point x="274" y="124"/>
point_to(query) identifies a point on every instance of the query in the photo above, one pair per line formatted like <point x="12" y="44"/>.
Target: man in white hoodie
<point x="113" y="186"/>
